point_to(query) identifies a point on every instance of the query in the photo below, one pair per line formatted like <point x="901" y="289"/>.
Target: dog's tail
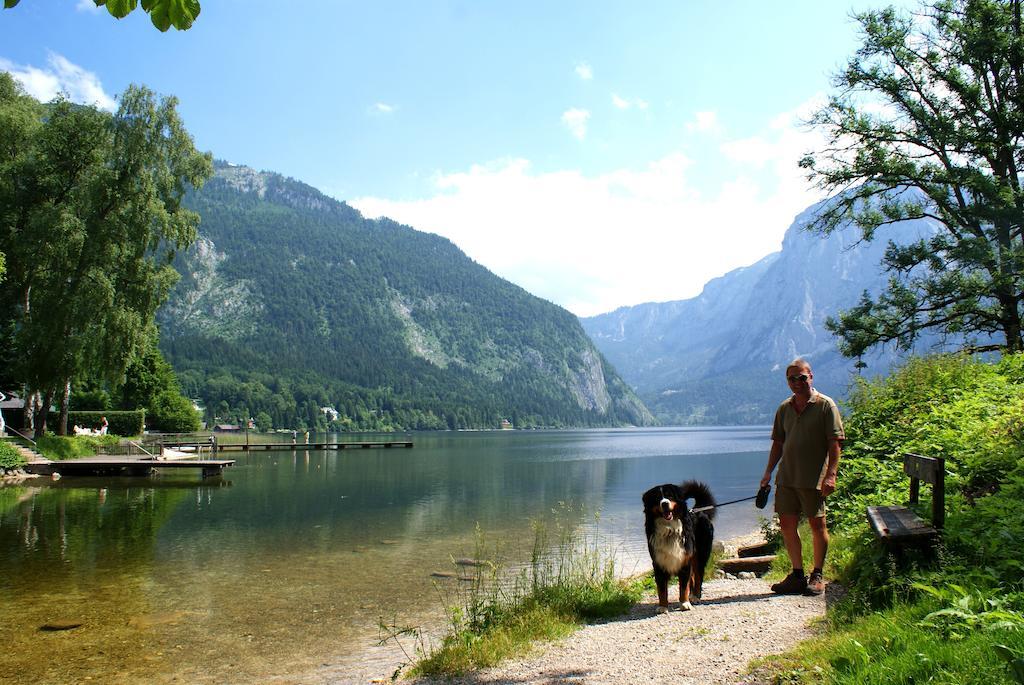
<point x="700" y="493"/>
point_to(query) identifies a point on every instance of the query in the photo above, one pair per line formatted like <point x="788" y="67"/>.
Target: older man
<point x="806" y="439"/>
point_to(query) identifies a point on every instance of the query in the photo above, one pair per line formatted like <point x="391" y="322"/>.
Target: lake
<point x="282" y="570"/>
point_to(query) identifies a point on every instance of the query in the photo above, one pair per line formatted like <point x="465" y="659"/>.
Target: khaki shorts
<point x="799" y="501"/>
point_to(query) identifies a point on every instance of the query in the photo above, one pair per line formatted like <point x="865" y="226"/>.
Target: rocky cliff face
<point x="720" y="357"/>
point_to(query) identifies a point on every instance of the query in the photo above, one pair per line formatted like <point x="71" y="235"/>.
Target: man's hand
<point x="766" y="479"/>
<point x="828" y="485"/>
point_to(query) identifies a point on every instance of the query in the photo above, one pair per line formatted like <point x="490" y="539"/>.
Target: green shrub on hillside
<point x="10" y="458"/>
<point x="970" y="412"/>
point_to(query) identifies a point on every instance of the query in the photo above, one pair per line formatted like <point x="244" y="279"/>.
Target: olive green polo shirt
<point x="805" y="439"/>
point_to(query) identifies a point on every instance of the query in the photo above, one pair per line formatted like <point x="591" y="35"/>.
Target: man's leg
<point x="791" y="536"/>
<point x="796" y="582"/>
<point x="819" y="535"/>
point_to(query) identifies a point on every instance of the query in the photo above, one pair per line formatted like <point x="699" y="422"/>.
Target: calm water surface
<point x="281" y="571"/>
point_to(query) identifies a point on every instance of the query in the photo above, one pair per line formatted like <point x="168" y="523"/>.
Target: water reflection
<point x="291" y="559"/>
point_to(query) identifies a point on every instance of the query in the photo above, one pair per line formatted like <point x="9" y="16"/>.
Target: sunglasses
<point x="802" y="377"/>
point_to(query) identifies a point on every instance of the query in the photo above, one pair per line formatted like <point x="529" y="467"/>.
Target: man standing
<point x="806" y="438"/>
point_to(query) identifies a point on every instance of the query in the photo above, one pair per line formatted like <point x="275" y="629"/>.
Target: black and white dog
<point x="678" y="539"/>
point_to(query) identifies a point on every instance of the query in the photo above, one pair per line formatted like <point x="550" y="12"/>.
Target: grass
<point x="61" y="447"/>
<point x="499" y="613"/>
<point x="941" y="634"/>
<point x="908" y="644"/>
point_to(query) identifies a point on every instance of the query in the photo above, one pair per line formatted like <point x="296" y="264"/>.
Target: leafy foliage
<point x="968" y="411"/>
<point x="90" y="216"/>
<point x="927" y="122"/>
<point x="163" y="13"/>
<point x="61" y="447"/>
<point x="10" y="458"/>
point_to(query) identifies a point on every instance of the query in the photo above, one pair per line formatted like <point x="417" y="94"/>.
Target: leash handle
<point x="761" y="497"/>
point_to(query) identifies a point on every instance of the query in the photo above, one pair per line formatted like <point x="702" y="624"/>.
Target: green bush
<point x="10" y="458"/>
<point x="968" y="411"/>
<point x="170" y="412"/>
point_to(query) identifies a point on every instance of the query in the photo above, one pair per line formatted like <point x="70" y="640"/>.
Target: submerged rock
<point x="60" y="625"/>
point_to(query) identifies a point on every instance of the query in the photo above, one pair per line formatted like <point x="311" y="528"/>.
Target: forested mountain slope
<point x="292" y="301"/>
<point x="719" y="358"/>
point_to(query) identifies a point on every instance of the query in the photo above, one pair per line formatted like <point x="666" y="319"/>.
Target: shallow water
<point x="283" y="569"/>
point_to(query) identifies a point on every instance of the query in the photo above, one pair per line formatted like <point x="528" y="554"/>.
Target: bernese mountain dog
<point x="678" y="539"/>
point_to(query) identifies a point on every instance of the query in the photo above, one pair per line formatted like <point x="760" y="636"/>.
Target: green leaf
<point x="177" y="13"/>
<point x="8" y="4"/>
<point x="120" y="8"/>
<point x="158" y="13"/>
<point x="183" y="13"/>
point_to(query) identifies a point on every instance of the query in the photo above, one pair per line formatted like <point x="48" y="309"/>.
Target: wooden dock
<point x="120" y="466"/>
<point x="228" y="446"/>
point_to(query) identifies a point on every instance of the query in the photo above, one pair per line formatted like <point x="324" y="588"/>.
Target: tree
<point x="163" y="13"/>
<point x="90" y="216"/>
<point x="927" y="122"/>
<point x="171" y="413"/>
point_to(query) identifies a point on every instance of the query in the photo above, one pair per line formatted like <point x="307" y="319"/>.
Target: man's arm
<point x="773" y="458"/>
<point x="828" y="483"/>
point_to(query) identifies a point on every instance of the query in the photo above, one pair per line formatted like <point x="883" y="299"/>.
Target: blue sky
<point x="599" y="154"/>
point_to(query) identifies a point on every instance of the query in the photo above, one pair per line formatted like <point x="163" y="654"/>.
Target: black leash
<point x="761" y="497"/>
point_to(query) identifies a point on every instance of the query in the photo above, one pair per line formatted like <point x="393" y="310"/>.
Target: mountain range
<point x="295" y="310"/>
<point x="719" y="358"/>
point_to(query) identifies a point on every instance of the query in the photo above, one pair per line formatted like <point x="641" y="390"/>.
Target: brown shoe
<point x="815" y="584"/>
<point x="793" y="584"/>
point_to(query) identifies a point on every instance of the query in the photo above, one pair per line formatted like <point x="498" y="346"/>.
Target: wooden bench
<point x="899" y="526"/>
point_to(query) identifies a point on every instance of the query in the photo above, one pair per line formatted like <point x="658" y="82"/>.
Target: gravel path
<point x="737" y="621"/>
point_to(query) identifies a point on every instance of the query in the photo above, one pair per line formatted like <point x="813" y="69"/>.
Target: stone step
<point x="753" y="564"/>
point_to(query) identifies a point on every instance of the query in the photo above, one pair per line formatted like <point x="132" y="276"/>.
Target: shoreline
<point x="377" y="664"/>
<point x="736" y="622"/>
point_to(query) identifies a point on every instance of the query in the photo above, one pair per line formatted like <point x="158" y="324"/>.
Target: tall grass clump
<point x="498" y="611"/>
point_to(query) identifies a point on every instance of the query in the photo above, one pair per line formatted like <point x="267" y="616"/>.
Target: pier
<point x="227" y="446"/>
<point x="248" y="446"/>
<point x="122" y="466"/>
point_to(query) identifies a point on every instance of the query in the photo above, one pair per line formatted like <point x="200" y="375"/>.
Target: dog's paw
<point x="662" y="610"/>
<point x="685" y="606"/>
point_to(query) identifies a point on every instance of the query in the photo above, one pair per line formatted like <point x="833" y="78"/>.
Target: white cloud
<point x="61" y="76"/>
<point x="382" y="108"/>
<point x="88" y="6"/>
<point x="704" y="122"/>
<point x="594" y="243"/>
<point x="584" y="71"/>
<point x="624" y="103"/>
<point x="576" y="121"/>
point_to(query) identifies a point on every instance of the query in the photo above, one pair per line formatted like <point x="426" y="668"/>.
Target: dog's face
<point x="664" y="501"/>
